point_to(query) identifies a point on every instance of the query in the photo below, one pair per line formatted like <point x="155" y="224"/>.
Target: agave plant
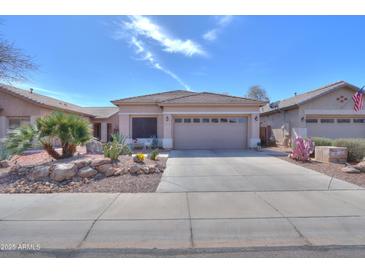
<point x="67" y="129"/>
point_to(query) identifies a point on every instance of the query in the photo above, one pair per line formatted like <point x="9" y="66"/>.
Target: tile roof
<point x="154" y="98"/>
<point x="210" y="98"/>
<point x="44" y="100"/>
<point x="101" y="112"/>
<point x="304" y="97"/>
<point x="185" y="97"/>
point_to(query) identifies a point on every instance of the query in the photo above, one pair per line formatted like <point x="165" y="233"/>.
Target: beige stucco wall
<point x="281" y="123"/>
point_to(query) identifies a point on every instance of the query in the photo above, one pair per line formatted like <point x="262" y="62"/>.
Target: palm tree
<point x="67" y="129"/>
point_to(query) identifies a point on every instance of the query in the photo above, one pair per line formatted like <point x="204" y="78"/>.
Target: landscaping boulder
<point x="350" y="169"/>
<point x="360" y="166"/>
<point x="94" y="147"/>
<point x="135" y="169"/>
<point x="101" y="161"/>
<point x="4" y="164"/>
<point x="40" y="172"/>
<point x="151" y="168"/>
<point x="145" y="169"/>
<point x="82" y="163"/>
<point x="63" y="172"/>
<point x="87" y="172"/>
<point x="106" y="169"/>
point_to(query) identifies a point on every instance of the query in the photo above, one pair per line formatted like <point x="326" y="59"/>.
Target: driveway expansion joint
<point x="97" y="218"/>
<point x="308" y="243"/>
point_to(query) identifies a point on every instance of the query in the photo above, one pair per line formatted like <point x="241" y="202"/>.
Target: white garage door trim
<point x="213" y="132"/>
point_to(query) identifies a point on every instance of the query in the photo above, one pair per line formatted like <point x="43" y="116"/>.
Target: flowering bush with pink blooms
<point x="302" y="150"/>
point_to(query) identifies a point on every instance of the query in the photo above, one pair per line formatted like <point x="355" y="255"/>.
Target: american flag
<point x="358" y="99"/>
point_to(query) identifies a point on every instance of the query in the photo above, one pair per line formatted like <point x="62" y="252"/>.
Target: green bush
<point x="355" y="148"/>
<point x="4" y="153"/>
<point x="320" y="141"/>
<point x="112" y="150"/>
<point x="154" y="154"/>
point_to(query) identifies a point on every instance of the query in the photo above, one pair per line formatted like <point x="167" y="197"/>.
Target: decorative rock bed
<point x="79" y="170"/>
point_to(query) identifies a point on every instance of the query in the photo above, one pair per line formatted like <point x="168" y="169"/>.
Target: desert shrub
<point x="112" y="150"/>
<point x="122" y="141"/>
<point x="154" y="154"/>
<point x="20" y="139"/>
<point x="320" y="141"/>
<point x="355" y="148"/>
<point x="139" y="157"/>
<point x="4" y="153"/>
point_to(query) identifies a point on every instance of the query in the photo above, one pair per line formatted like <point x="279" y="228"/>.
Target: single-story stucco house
<point x="324" y="112"/>
<point x="178" y="119"/>
<point x="191" y="120"/>
<point x="19" y="107"/>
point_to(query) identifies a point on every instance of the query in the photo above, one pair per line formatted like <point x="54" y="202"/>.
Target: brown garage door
<point x="210" y="132"/>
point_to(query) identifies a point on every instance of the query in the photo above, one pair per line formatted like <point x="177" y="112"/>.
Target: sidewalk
<point x="184" y="220"/>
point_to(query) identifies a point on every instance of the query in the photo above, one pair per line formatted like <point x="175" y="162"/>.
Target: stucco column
<point x="254" y="130"/>
<point x="104" y="132"/>
<point x="3" y="126"/>
<point x="124" y="126"/>
<point x="167" y="131"/>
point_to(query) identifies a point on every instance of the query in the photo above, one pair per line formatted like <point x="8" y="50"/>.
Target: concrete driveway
<point x="225" y="170"/>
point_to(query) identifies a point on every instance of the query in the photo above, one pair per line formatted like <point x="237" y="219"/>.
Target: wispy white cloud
<point x="143" y="26"/>
<point x="147" y="56"/>
<point x="222" y="22"/>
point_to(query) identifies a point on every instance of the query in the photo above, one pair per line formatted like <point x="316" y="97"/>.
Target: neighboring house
<point x="324" y="112"/>
<point x="191" y="120"/>
<point x="19" y="107"/>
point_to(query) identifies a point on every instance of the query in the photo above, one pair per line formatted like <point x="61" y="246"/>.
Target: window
<point x="359" y="121"/>
<point x="205" y="120"/>
<point x="224" y="120"/>
<point x="15" y="122"/>
<point x="178" y="120"/>
<point x="327" y="121"/>
<point x="196" y="120"/>
<point x="311" y="121"/>
<point x="187" y="120"/>
<point x="233" y="120"/>
<point x="215" y="120"/>
<point x="144" y="127"/>
<point x="343" y="121"/>
<point x="241" y="120"/>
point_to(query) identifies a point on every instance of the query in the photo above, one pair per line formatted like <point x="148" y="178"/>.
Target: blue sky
<point x="90" y="60"/>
